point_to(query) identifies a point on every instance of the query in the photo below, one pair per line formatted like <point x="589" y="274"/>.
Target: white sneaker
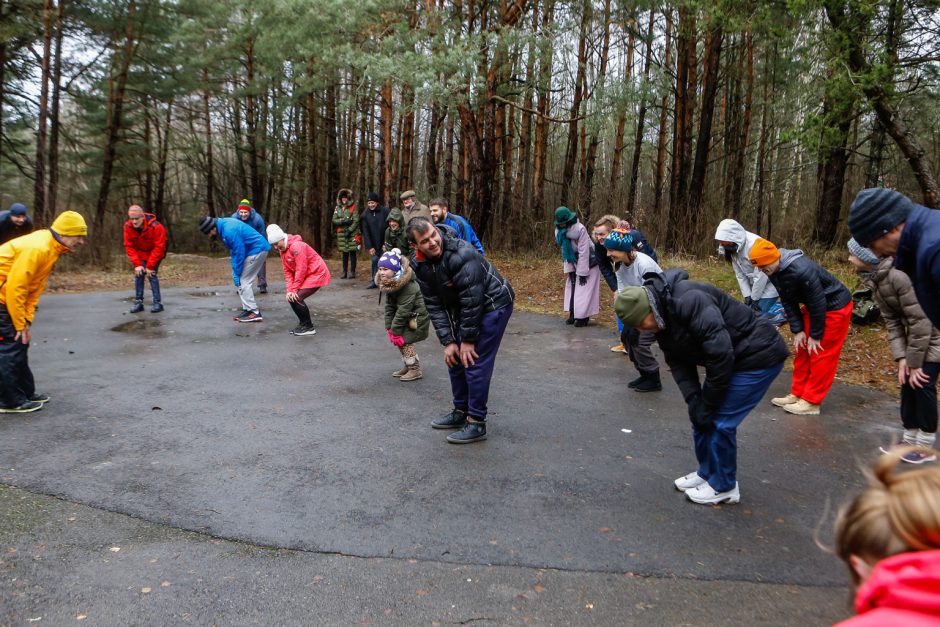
<point x="689" y="481"/>
<point x="706" y="495"/>
<point x="802" y="408"/>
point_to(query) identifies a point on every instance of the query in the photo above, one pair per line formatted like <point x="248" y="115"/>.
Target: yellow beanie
<point x="70" y="224"/>
<point x="764" y="253"/>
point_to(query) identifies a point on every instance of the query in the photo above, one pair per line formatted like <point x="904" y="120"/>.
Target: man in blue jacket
<point x="888" y="223"/>
<point x="440" y="213"/>
<point x="247" y="214"/>
<point x="249" y="251"/>
<point x="14" y="222"/>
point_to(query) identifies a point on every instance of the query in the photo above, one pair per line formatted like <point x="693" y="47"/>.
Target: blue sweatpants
<point x="471" y="386"/>
<point x="717" y="451"/>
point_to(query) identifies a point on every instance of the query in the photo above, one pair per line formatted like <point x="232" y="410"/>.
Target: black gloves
<point x="748" y="301"/>
<point x="582" y="280"/>
<point x="700" y="416"/>
<point x="346" y="222"/>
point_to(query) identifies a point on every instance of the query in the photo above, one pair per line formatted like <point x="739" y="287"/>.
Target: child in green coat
<point x="395" y="233"/>
<point x="406" y="318"/>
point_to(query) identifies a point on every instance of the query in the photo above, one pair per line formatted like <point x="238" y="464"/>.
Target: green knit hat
<point x="564" y="215"/>
<point x="632" y="305"/>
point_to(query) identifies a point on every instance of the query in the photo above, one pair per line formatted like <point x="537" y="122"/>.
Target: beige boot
<point x="783" y="401"/>
<point x="414" y="369"/>
<point x="401" y="371"/>
<point x="802" y="408"/>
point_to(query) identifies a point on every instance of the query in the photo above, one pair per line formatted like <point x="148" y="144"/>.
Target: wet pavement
<point x="185" y="420"/>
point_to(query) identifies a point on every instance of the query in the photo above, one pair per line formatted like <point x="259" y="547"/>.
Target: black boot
<point x="570" y="320"/>
<point x="650" y="383"/>
<point x="640" y="379"/>
<point x="454" y="420"/>
<point x="138" y="307"/>
<point x="471" y="432"/>
<point x="581" y="322"/>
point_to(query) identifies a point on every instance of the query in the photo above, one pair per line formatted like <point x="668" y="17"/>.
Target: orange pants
<point x="813" y="374"/>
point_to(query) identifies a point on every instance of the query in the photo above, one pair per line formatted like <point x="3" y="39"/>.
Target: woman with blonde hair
<point x="889" y="537"/>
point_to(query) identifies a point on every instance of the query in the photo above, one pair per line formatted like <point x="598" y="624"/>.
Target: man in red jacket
<point x="145" y="243"/>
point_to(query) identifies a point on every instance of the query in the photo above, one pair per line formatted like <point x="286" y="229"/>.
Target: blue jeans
<point x="471" y="386"/>
<point x="154" y="286"/>
<point x="717" y="451"/>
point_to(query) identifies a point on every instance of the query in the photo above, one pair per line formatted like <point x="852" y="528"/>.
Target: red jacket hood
<point x="902" y="590"/>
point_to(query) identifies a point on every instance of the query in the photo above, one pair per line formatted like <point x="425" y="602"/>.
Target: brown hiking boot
<point x="414" y="370"/>
<point x="400" y="372"/>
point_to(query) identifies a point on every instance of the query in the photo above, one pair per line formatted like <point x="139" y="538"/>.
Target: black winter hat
<point x="875" y="211"/>
<point x="206" y="224"/>
<point x="374" y="197"/>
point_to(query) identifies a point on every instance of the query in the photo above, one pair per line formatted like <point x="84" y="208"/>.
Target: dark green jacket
<point x="346" y="224"/>
<point x="397" y="239"/>
<point x="403" y="301"/>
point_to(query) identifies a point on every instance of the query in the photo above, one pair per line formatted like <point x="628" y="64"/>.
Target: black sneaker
<point x="471" y="432"/>
<point x="249" y="316"/>
<point x="24" y="408"/>
<point x="454" y="420"/>
<point x="157" y="308"/>
<point x="137" y="308"/>
<point x="240" y="314"/>
<point x="305" y="330"/>
<point x="39" y="398"/>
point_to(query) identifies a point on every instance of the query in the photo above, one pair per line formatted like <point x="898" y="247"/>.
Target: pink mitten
<point x="397" y="340"/>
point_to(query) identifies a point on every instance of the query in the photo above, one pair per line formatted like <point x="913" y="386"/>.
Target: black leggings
<point x="349" y="259"/>
<point x="300" y="307"/>
<point x="919" y="405"/>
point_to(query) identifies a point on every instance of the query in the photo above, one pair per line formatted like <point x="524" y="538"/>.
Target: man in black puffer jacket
<point x="469" y="303"/>
<point x="697" y="324"/>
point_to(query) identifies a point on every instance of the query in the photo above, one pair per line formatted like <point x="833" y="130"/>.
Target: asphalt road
<point x="248" y="463"/>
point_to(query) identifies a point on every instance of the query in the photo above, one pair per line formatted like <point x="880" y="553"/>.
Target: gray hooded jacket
<point x="753" y="282"/>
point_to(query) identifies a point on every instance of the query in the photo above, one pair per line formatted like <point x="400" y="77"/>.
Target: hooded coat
<point x="25" y="265"/>
<point x="911" y="335"/>
<point x="145" y="246"/>
<point x="346" y="223"/>
<point x="242" y="241"/>
<point x="754" y="284"/>
<point x="801" y="281"/>
<point x="396" y="239"/>
<point x="303" y="266"/>
<point x="404" y="302"/>
<point x="254" y="220"/>
<point x="701" y="325"/>
<point x="459" y="287"/>
<point x="902" y="590"/>
<point x="918" y="256"/>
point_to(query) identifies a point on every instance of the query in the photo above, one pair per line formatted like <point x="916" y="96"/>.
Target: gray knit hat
<point x="206" y="224"/>
<point x="875" y="211"/>
<point x="865" y="254"/>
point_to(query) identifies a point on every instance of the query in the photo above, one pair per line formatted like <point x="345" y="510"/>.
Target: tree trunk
<point x="210" y="162"/>
<point x="163" y="153"/>
<point x="39" y="184"/>
<point x="449" y="157"/>
<point x="407" y="139"/>
<point x="332" y="154"/>
<point x="641" y="120"/>
<point x="431" y="165"/>
<point x="571" y="150"/>
<point x="385" y="125"/>
<point x="539" y="154"/>
<point x="591" y="156"/>
<point x="619" y="145"/>
<point x="251" y="125"/>
<point x="838" y="109"/>
<point x="660" y="175"/>
<point x="52" y="196"/>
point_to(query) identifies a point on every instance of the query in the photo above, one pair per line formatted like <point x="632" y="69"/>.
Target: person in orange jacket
<point x="145" y="243"/>
<point x="25" y="265"/>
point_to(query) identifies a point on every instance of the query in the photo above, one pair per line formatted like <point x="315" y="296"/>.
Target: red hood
<point x="909" y="581"/>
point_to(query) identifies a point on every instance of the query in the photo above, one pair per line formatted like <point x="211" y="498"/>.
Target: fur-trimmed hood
<point x="349" y="193"/>
<point x="393" y="285"/>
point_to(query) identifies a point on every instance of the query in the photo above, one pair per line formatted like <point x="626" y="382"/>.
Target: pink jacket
<point x="902" y="590"/>
<point x="303" y="267"/>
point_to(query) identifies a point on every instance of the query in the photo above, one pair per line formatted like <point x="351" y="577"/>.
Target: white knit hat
<point x="275" y="234"/>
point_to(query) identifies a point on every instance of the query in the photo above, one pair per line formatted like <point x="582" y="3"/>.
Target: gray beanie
<point x="875" y="211"/>
<point x="206" y="224"/>
<point x="863" y="253"/>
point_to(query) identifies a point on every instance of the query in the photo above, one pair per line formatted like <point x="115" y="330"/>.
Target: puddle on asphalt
<point x="147" y="327"/>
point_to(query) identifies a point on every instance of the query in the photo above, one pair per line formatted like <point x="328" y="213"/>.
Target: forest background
<point x="675" y="114"/>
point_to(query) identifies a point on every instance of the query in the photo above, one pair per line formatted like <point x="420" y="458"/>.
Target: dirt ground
<point x="539" y="285"/>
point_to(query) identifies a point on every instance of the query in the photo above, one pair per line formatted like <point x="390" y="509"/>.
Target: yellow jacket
<point x="25" y="264"/>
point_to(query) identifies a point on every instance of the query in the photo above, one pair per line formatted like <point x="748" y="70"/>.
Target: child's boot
<point x="414" y="369"/>
<point x="401" y="371"/>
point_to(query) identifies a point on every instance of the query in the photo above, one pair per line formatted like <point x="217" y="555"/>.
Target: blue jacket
<point x="254" y="220"/>
<point x="642" y="246"/>
<point x="918" y="256"/>
<point x="464" y="230"/>
<point x="242" y="241"/>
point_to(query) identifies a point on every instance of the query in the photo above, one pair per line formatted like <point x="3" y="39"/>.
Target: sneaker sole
<point x="477" y="439"/>
<point x="305" y="333"/>
<point x="730" y="500"/>
<point x="925" y="460"/>
<point x="779" y="404"/>
<point x="659" y="389"/>
<point x="460" y="426"/>
<point x="810" y="412"/>
<point x="248" y="321"/>
<point x="9" y="410"/>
